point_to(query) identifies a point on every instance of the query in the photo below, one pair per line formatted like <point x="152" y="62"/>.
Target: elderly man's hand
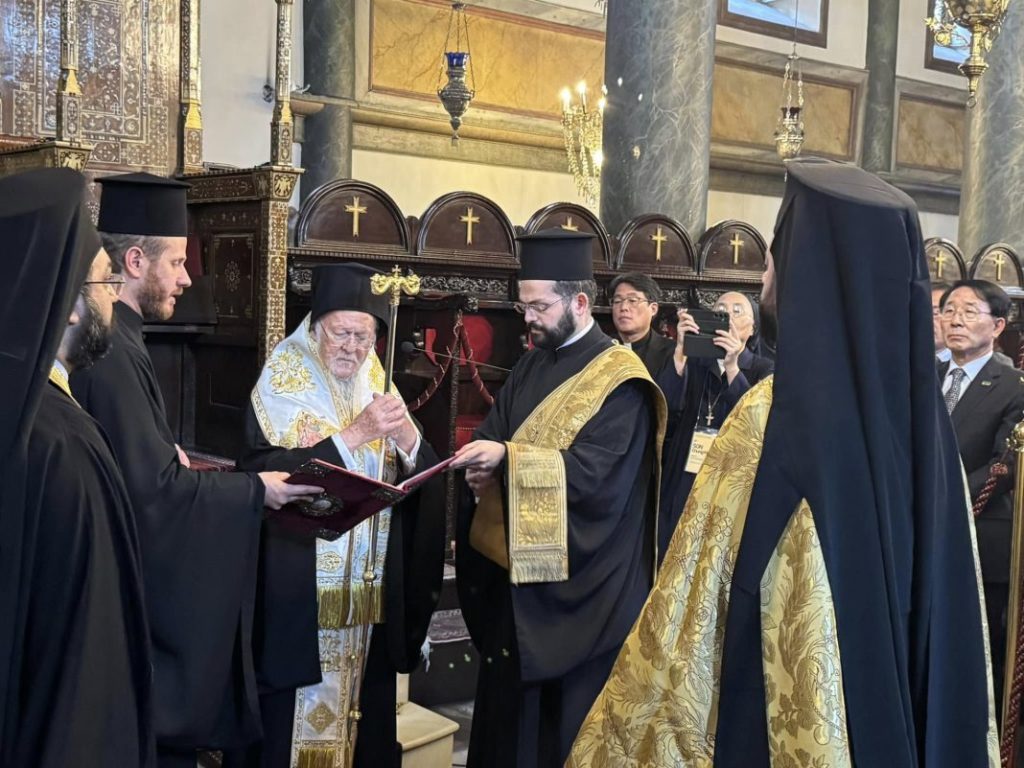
<point x="385" y="416"/>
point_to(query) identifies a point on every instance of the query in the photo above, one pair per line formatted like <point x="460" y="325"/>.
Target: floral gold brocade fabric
<point x="660" y="704"/>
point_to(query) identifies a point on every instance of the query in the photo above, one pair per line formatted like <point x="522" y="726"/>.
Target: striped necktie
<point x="953" y="394"/>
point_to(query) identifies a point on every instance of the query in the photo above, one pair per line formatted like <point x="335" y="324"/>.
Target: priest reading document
<point x="820" y="602"/>
<point x="74" y="648"/>
<point x="320" y="396"/>
<point x="555" y="546"/>
<point x="198" y="531"/>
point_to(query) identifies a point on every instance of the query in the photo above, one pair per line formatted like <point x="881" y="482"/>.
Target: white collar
<point x="578" y="335"/>
<point x="60" y="367"/>
<point x="944" y="355"/>
<point x="971" y="369"/>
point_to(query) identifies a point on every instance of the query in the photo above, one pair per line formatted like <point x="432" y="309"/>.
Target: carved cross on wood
<point x="469" y="220"/>
<point x="737" y="243"/>
<point x="355" y="209"/>
<point x="658" y="237"/>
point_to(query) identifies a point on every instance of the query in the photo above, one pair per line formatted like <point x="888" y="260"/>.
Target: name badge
<point x="699" y="447"/>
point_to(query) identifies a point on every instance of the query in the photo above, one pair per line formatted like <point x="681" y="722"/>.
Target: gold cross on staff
<point x="999" y="260"/>
<point x="569" y="225"/>
<point x="737" y="243"/>
<point x="658" y="237"/>
<point x="469" y="220"/>
<point x="940" y="260"/>
<point x="355" y="209"/>
<point x="396" y="284"/>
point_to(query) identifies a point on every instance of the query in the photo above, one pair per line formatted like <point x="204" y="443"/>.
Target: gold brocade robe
<point x="660" y="704"/>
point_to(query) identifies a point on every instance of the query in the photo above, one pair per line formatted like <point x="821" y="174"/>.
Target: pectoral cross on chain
<point x="940" y="260"/>
<point x="355" y="209"/>
<point x="658" y="237"/>
<point x="737" y="243"/>
<point x="469" y="220"/>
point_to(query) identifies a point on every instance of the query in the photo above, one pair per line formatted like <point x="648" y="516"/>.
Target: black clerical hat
<point x="556" y="254"/>
<point x="143" y="204"/>
<point x="346" y="287"/>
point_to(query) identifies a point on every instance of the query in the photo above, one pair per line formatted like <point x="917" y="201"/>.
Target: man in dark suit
<point x="986" y="400"/>
<point x="634" y="302"/>
<point x="703" y="391"/>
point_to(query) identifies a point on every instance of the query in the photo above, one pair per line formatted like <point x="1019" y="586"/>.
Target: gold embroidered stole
<point x="660" y="704"/>
<point x="537" y="547"/>
<point x="58" y="377"/>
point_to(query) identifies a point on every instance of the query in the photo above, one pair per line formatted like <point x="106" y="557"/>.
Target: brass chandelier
<point x="581" y="129"/>
<point x="982" y="19"/>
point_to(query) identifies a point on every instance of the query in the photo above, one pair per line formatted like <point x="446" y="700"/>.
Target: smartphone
<point x="703" y="344"/>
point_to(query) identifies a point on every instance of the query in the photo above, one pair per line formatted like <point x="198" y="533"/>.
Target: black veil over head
<point x="47" y="245"/>
<point x="859" y="430"/>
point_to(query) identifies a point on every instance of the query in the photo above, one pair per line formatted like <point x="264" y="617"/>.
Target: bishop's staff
<point x="394" y="285"/>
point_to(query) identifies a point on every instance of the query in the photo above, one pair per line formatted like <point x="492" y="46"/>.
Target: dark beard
<point x="555" y="337"/>
<point x="152" y="301"/>
<point x="90" y="338"/>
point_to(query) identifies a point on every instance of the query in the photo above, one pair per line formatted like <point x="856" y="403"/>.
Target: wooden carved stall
<point x="946" y="263"/>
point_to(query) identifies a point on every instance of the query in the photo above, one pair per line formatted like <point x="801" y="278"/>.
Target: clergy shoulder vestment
<point x="313" y="590"/>
<point x="581" y="517"/>
<point x="75" y="670"/>
<point x="820" y="601"/>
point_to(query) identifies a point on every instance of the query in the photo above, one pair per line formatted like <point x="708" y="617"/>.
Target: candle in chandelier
<point x="566" y="99"/>
<point x="581" y="89"/>
<point x="601" y="103"/>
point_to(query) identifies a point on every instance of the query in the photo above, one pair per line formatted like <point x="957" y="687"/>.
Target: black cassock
<point x="286" y="634"/>
<point x="75" y="671"/>
<point x="82" y="693"/>
<point x="546" y="649"/>
<point x="199" y="535"/>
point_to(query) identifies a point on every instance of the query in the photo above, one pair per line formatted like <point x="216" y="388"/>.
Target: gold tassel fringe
<point x="347" y="605"/>
<point x="321" y="757"/>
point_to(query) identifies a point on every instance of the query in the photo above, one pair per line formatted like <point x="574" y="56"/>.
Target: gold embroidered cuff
<point x="538" y="522"/>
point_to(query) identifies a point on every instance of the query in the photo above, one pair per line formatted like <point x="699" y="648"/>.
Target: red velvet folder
<point x="347" y="500"/>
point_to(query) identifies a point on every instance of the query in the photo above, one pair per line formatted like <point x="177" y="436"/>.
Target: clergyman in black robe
<point x="319" y="397"/>
<point x="75" y="671"/>
<point x="199" y="531"/>
<point x="820" y="603"/>
<point x="555" y="547"/>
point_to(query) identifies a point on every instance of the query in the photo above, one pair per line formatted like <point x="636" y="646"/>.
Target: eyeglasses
<point x="736" y="309"/>
<point x="969" y="314"/>
<point x="344" y="338"/>
<point x="538" y="307"/>
<point x="114" y="284"/>
<point x="629" y="301"/>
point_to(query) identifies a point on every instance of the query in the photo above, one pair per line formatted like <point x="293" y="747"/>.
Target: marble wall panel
<point x="520" y="64"/>
<point x="930" y="134"/>
<point x="128" y="53"/>
<point x="746" y="107"/>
